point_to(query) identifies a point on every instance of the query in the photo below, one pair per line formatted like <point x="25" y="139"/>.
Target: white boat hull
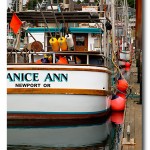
<point x="51" y="106"/>
<point x="125" y="56"/>
<point x="82" y="94"/>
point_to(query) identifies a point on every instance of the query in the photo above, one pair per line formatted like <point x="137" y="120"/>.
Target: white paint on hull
<point x="51" y="103"/>
<point x="76" y="79"/>
<point x="93" y="79"/>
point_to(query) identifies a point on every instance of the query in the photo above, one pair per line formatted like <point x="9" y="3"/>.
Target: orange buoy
<point x="62" y="43"/>
<point x="117" y="117"/>
<point x="62" y="60"/>
<point x="55" y="45"/>
<point x="127" y="64"/>
<point x="122" y="84"/>
<point x="117" y="103"/>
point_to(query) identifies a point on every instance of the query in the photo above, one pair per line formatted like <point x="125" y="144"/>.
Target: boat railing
<point x="90" y="57"/>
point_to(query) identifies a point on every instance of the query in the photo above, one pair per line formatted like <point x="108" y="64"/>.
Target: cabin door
<point x="81" y="42"/>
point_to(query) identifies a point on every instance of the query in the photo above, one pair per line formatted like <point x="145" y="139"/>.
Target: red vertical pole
<point x="138" y="38"/>
<point x="139" y="24"/>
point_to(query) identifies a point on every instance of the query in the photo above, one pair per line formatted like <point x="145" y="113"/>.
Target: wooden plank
<point x="138" y="127"/>
<point x="57" y="91"/>
<point x="61" y="68"/>
<point x="131" y="123"/>
<point x="133" y="116"/>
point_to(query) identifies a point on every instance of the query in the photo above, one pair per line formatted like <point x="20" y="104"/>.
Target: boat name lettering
<point x="56" y="77"/>
<point x="23" y="77"/>
<point x="27" y="85"/>
<point x="34" y="77"/>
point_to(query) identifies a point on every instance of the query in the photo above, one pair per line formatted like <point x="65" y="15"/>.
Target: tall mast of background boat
<point x="113" y="25"/>
<point x="125" y="17"/>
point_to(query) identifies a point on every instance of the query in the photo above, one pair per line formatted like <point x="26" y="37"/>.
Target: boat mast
<point x="125" y="17"/>
<point x="20" y="5"/>
<point x="113" y="25"/>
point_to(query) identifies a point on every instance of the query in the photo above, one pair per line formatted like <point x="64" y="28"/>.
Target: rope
<point x="44" y="20"/>
<point x="113" y="61"/>
<point x="63" y="17"/>
<point x="55" y="18"/>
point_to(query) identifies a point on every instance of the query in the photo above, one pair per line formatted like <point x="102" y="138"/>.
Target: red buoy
<point x="62" y="60"/>
<point x="117" y="117"/>
<point x="117" y="103"/>
<point x="38" y="61"/>
<point x="127" y="68"/>
<point x="122" y="85"/>
<point x="127" y="64"/>
<point x="123" y="95"/>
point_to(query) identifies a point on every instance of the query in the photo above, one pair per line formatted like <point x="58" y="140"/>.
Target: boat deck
<point x="76" y="57"/>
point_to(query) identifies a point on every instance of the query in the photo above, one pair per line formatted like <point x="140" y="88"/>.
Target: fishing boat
<point x="125" y="55"/>
<point x="124" y="48"/>
<point x="64" y="84"/>
<point x="123" y="39"/>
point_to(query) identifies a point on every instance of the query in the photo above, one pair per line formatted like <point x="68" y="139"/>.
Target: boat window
<point x="80" y="40"/>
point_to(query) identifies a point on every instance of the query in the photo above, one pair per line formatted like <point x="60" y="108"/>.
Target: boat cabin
<point x="88" y="44"/>
<point x="85" y="39"/>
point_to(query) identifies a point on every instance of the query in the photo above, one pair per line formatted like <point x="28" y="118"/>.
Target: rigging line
<point x="44" y="19"/>
<point x="27" y="31"/>
<point x="55" y="18"/>
<point x="61" y="13"/>
<point x="113" y="38"/>
<point x="63" y="18"/>
<point x="118" y="36"/>
<point x="113" y="61"/>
